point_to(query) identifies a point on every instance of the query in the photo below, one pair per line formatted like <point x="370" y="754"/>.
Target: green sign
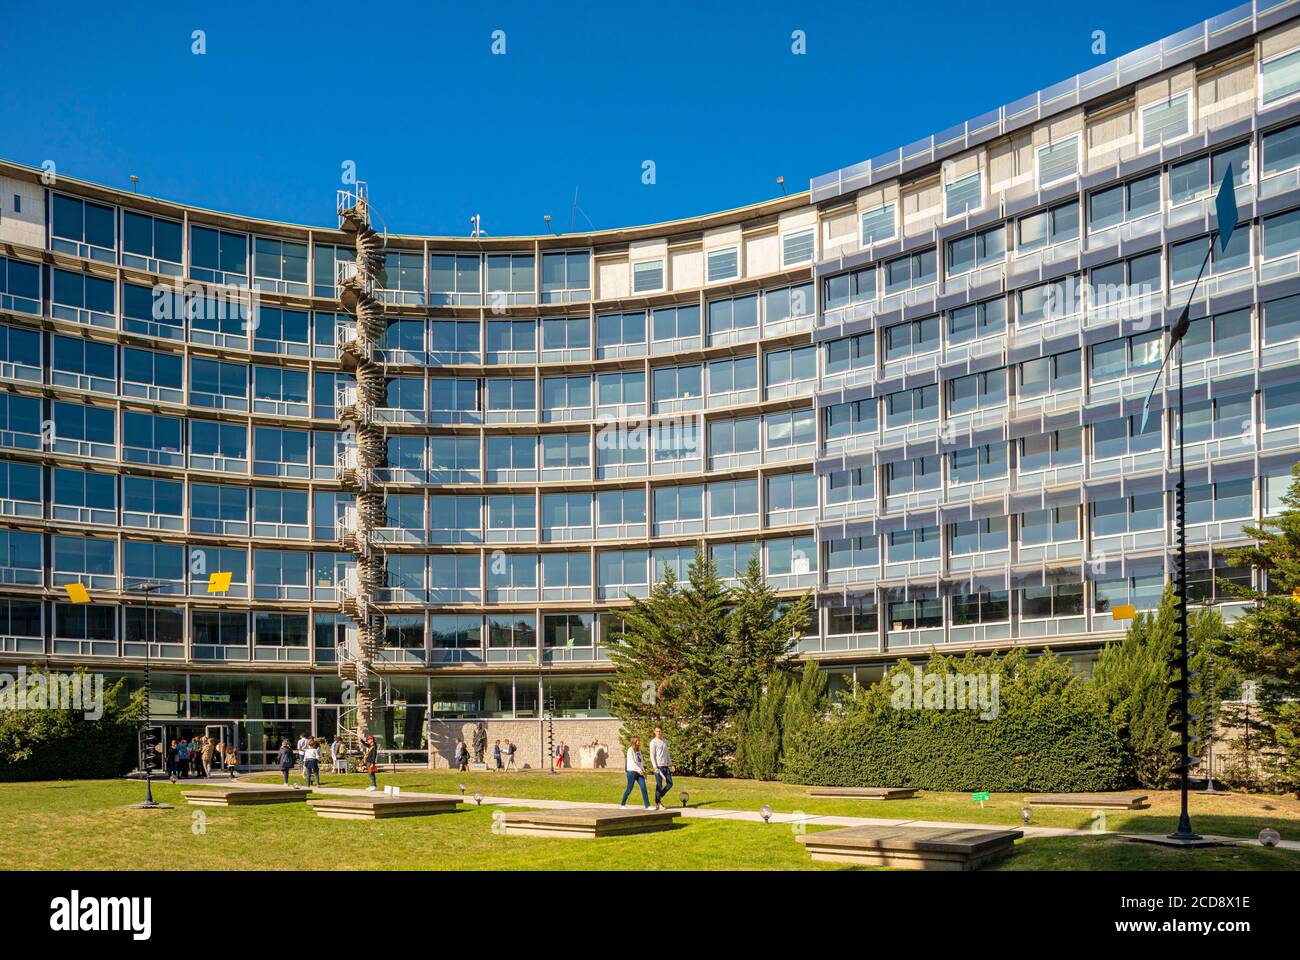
<point x="980" y="796"/>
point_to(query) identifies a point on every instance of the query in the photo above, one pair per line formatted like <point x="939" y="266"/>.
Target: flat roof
<point x="1213" y="34"/>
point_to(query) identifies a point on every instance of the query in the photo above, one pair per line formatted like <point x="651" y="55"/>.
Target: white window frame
<point x="1078" y="160"/>
<point x="708" y="264"/>
<point x="1142" y="121"/>
<point x="1260" y="80"/>
<point x="965" y="213"/>
<point x="663" y="276"/>
<point x="786" y="237"/>
<point x="862" y="218"/>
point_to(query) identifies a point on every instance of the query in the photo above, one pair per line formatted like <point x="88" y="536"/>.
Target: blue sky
<point x="583" y="95"/>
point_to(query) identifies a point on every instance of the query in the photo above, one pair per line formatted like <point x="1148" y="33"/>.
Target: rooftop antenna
<point x="135" y="182"/>
<point x="547" y="218"/>
<point x="476" y="226"/>
<point x="780" y="182"/>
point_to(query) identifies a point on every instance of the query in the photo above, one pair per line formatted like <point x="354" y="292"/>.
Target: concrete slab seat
<point x="864" y="793"/>
<point x="910" y="848"/>
<point x="241" y="796"/>
<point x="1088" y="801"/>
<point x="380" y="807"/>
<point x="586" y="822"/>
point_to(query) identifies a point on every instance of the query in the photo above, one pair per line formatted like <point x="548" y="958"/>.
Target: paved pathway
<point x="701" y="813"/>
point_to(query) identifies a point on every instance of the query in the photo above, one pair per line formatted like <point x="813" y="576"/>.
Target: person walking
<point x="338" y="755"/>
<point x="171" y="762"/>
<point x="496" y="755"/>
<point x="663" y="767"/>
<point x="311" y="761"/>
<point x="635" y="773"/>
<point x="232" y="760"/>
<point x="370" y="759"/>
<point x="196" y="757"/>
<point x="462" y="756"/>
<point x="209" y="751"/>
<point x="183" y="758"/>
<point x="286" y="760"/>
<point x="510" y="755"/>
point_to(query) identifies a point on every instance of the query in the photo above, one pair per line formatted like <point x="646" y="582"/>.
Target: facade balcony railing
<point x="1057" y="551"/>
<point x="20" y="372"/>
<point x="1061" y="626"/>
<point x="138" y="520"/>
<point x="1218" y="449"/>
<point x="865" y="642"/>
<point x="1117" y="545"/>
<point x="1218" y="532"/>
<point x="977" y="279"/>
<point x="849" y="510"/>
<point x="979" y="632"/>
<point x="1035" y="262"/>
<point x="20" y="508"/>
<point x="1058" y="401"/>
<point x="83" y="316"/>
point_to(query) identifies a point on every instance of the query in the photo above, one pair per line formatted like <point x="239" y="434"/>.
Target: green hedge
<point x="1051" y="733"/>
<point x="63" y="745"/>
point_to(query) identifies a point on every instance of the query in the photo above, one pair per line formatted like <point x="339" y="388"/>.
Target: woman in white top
<point x="635" y="773"/>
<point x="311" y="761"/>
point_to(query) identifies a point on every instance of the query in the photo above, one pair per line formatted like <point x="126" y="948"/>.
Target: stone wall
<point x="529" y="738"/>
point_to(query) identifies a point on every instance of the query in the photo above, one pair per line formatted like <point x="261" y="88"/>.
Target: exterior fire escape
<point x="361" y="453"/>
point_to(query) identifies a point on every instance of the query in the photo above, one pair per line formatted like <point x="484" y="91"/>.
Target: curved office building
<point x="434" y="467"/>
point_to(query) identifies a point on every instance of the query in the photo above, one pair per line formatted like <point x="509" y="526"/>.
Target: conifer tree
<point x="1263" y="644"/>
<point x="694" y="656"/>
<point x="1133" y="677"/>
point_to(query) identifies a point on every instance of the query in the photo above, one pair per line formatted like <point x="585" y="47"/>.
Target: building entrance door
<point x="326" y="724"/>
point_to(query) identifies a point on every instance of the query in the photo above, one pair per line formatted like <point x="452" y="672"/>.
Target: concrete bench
<point x="911" y="848"/>
<point x="1088" y="801"/>
<point x="864" y="793"/>
<point x="380" y="807"/>
<point x="585" y="822"/>
<point x="241" y="796"/>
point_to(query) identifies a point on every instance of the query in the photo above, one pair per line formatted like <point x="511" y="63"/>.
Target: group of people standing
<point x="503" y="755"/>
<point x="662" y="763"/>
<point x="308" y="752"/>
<point x="183" y="757"/>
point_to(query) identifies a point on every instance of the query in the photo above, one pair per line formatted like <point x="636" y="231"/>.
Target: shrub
<point x="1050" y="733"/>
<point x="49" y="744"/>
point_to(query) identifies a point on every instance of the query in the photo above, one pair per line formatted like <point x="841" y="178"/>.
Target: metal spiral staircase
<point x="360" y="454"/>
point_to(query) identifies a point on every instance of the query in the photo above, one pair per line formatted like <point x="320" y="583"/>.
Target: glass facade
<point x="918" y="398"/>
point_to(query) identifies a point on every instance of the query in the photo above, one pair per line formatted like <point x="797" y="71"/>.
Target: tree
<point x="785" y="704"/>
<point x="694" y="656"/>
<point x="1263" y="644"/>
<point x="1133" y="677"/>
<point x="758" y="731"/>
<point x="54" y="742"/>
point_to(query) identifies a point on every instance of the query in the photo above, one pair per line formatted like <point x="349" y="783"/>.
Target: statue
<point x="480" y="743"/>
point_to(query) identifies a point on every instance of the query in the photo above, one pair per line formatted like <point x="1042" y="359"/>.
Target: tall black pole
<point x="148" y="696"/>
<point x="1184" y="831"/>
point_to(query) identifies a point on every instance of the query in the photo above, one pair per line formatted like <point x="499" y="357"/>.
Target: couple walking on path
<point x="662" y="763"/>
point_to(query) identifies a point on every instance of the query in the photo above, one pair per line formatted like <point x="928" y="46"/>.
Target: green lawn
<point x="87" y="825"/>
<point x="1225" y="814"/>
